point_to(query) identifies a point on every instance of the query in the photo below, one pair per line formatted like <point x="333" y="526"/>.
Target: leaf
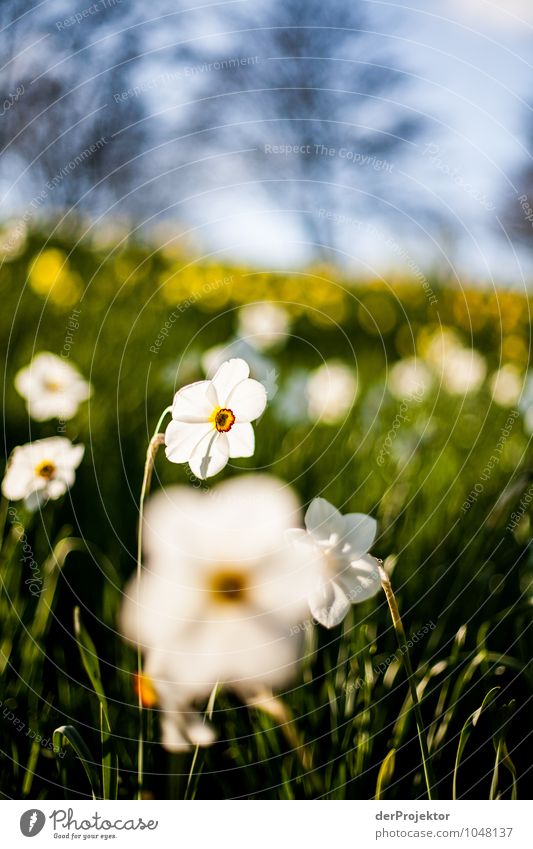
<point x="73" y="738"/>
<point x="467" y="729"/>
<point x="89" y="658"/>
<point x="386" y="771"/>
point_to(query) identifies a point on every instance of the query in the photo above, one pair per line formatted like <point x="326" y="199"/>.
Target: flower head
<point x="219" y="596"/>
<point x="346" y="573"/>
<point x="41" y="470"/>
<point x="263" y="324"/>
<point x="52" y="387"/>
<point x="331" y="392"/>
<point x="211" y="419"/>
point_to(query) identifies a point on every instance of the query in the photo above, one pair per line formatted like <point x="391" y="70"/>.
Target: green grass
<point x="462" y="579"/>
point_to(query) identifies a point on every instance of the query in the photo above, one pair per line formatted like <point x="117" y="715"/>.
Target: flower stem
<point x="404" y="651"/>
<point x="151" y="453"/>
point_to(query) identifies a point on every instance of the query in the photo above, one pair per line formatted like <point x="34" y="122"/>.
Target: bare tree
<point x="65" y="137"/>
<point x="303" y="89"/>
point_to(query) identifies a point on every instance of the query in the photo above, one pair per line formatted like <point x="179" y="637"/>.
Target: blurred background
<point x="359" y="170"/>
<point x="364" y="133"/>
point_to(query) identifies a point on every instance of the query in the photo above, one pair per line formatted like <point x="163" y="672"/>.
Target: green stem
<point x="156" y="440"/>
<point x="404" y="651"/>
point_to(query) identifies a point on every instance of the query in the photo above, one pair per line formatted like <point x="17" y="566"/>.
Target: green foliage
<point x="462" y="575"/>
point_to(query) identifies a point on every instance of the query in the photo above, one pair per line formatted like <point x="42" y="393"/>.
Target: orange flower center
<point x="46" y="470"/>
<point x="228" y="586"/>
<point x="223" y="419"/>
<point x="144" y="688"/>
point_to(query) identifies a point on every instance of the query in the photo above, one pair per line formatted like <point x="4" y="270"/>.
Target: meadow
<point x="435" y="445"/>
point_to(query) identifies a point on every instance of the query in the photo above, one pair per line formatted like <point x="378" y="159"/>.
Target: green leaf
<point x="91" y="663"/>
<point x="386" y="771"/>
<point x="69" y="735"/>
<point x="467" y="729"/>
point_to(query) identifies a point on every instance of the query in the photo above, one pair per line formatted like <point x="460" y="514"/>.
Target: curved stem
<point x="404" y="651"/>
<point x="156" y="440"/>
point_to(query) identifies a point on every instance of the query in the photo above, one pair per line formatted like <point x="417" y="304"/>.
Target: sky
<point x="471" y="75"/>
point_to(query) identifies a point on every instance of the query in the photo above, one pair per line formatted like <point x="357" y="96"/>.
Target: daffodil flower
<point x="52" y="387"/>
<point x="339" y="546"/>
<point x="221" y="607"/>
<point x="41" y="470"/>
<point x="211" y="419"/>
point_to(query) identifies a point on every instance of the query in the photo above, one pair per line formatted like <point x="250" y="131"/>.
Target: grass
<point x="462" y="576"/>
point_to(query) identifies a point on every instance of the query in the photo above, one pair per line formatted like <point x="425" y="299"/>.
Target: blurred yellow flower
<point x="50" y="276"/>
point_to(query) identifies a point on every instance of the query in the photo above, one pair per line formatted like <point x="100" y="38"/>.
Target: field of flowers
<point x="404" y="405"/>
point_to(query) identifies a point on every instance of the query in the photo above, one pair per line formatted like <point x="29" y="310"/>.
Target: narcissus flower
<point x="331" y="392"/>
<point x="263" y="324"/>
<point x="347" y="574"/>
<point x="52" y="387"/>
<point x="41" y="470"/>
<point x="221" y="592"/>
<point x="211" y="419"/>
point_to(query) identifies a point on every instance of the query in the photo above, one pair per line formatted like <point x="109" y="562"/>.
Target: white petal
<point x="241" y="440"/>
<point x="18" y="483"/>
<point x="210" y="455"/>
<point x="76" y="455"/>
<point x="322" y="520"/>
<point x="181" y="439"/>
<point x="248" y="400"/>
<point x="359" y="533"/>
<point x="195" y="402"/>
<point x="329" y="604"/>
<point x="361" y="579"/>
<point x="228" y="376"/>
<point x="56" y="488"/>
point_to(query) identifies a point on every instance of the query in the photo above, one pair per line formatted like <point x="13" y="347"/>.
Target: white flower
<point x="262" y="368"/>
<point x="211" y="419"/>
<point x="347" y="573"/>
<point x="331" y="392"/>
<point x="41" y="470"/>
<point x="506" y="386"/>
<point x="220" y="593"/>
<point x="409" y="377"/>
<point x="462" y="370"/>
<point x="52" y="388"/>
<point x="263" y="324"/>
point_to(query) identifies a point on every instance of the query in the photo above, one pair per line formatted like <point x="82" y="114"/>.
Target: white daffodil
<point x="331" y="392"/>
<point x="263" y="324"/>
<point x="52" y="388"/>
<point x="340" y="544"/>
<point x="211" y="419"/>
<point x="262" y="368"/>
<point x="506" y="385"/>
<point x="409" y="378"/>
<point x="41" y="470"/>
<point x="219" y="597"/>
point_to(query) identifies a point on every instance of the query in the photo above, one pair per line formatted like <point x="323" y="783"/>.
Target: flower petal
<point x="227" y="377"/>
<point x="359" y="532"/>
<point x="195" y="402"/>
<point x="241" y="440"/>
<point x="361" y="579"/>
<point x="181" y="438"/>
<point x="247" y="400"/>
<point x="322" y="520"/>
<point x="329" y="604"/>
<point x="210" y="455"/>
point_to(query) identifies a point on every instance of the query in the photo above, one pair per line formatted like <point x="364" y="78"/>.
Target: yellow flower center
<point x="228" y="586"/>
<point x="223" y="419"/>
<point x="144" y="688"/>
<point x="52" y="385"/>
<point x="46" y="470"/>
